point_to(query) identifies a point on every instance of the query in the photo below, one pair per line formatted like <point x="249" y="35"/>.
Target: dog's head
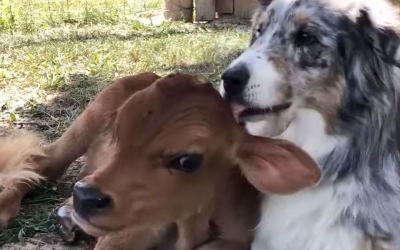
<point x="311" y="54"/>
<point x="174" y="146"/>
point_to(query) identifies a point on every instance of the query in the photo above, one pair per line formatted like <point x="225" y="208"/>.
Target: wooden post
<point x="176" y="10"/>
<point x="224" y="6"/>
<point x="205" y="10"/>
<point x="245" y="8"/>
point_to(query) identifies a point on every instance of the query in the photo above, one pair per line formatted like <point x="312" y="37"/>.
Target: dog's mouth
<point x="262" y="111"/>
<point x="241" y="112"/>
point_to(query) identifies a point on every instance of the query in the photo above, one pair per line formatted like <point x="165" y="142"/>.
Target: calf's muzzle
<point x="89" y="200"/>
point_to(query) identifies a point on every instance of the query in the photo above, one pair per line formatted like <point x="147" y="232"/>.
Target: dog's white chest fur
<point x="304" y="221"/>
<point x="307" y="220"/>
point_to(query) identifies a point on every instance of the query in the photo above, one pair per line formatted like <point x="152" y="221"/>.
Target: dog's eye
<point x="187" y="163"/>
<point x="305" y="38"/>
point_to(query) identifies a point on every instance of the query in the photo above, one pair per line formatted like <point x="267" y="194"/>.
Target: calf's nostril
<point x="235" y="79"/>
<point x="102" y="202"/>
<point x="89" y="200"/>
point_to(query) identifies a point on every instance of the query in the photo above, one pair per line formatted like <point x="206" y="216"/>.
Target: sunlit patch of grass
<point x="34" y="15"/>
<point x="60" y="73"/>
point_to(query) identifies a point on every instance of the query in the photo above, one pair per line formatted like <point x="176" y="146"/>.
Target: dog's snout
<point x="235" y="79"/>
<point x="89" y="199"/>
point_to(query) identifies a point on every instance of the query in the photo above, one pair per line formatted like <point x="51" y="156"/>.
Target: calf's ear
<point x="277" y="166"/>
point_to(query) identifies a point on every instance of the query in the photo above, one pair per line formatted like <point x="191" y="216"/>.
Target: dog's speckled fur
<point x="335" y="62"/>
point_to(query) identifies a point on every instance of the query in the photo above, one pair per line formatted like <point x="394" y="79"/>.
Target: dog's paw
<point x="10" y="206"/>
<point x="68" y="229"/>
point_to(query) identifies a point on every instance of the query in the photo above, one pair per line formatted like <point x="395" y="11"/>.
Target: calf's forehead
<point x="173" y="112"/>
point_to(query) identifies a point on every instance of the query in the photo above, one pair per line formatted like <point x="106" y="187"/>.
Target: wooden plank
<point x="176" y="10"/>
<point x="244" y="8"/>
<point x="224" y="6"/>
<point x="205" y="10"/>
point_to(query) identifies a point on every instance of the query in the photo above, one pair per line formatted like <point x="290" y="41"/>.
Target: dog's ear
<point x="277" y="166"/>
<point x="385" y="40"/>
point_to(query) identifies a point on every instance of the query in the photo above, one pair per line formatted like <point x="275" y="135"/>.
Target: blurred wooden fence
<point x="207" y="10"/>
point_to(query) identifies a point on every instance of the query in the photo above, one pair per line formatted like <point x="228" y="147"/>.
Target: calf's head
<point x="172" y="147"/>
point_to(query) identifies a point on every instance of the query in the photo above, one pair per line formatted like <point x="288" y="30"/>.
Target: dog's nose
<point x="235" y="79"/>
<point x="89" y="200"/>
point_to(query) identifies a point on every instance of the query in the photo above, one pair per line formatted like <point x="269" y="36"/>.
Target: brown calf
<point x="162" y="151"/>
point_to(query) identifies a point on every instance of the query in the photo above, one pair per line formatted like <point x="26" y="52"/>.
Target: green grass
<point x="33" y="220"/>
<point x="52" y="63"/>
<point x="33" y="15"/>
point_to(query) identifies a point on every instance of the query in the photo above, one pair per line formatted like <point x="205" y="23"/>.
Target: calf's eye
<point x="187" y="163"/>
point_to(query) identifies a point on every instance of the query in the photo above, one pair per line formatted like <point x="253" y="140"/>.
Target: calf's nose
<point x="235" y="79"/>
<point x="89" y="200"/>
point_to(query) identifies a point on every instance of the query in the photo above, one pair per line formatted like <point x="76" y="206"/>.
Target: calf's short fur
<point x="165" y="151"/>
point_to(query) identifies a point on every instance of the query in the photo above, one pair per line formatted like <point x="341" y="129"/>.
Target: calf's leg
<point x="72" y="144"/>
